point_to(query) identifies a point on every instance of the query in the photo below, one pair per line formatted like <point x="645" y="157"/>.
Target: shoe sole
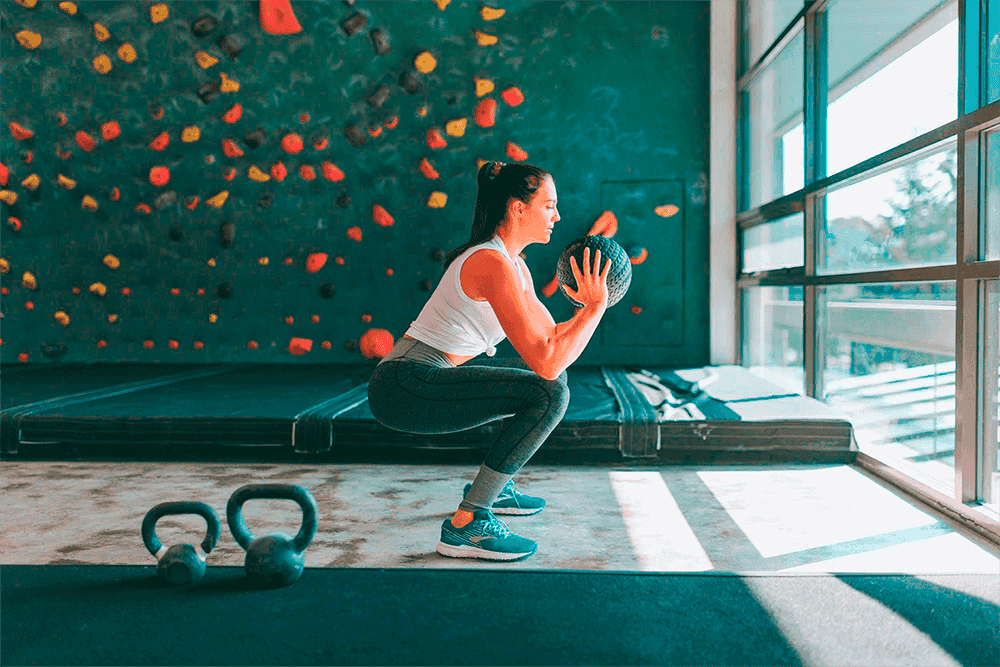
<point x="464" y="551"/>
<point x="518" y="511"/>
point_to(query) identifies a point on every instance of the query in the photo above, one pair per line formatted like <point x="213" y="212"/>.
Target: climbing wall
<point x="186" y="182"/>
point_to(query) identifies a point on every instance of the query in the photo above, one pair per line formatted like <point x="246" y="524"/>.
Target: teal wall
<point x="616" y="107"/>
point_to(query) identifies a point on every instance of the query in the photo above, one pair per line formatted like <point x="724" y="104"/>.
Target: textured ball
<point x="376" y="343"/>
<point x="619" y="276"/>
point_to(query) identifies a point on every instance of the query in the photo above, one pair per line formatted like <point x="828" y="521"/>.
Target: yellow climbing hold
<point x="98" y="289"/>
<point x="425" y="62"/>
<point x="204" y="59"/>
<point x="29" y="40"/>
<point x="159" y="13"/>
<point x="8" y="197"/>
<point x="101" y="33"/>
<point x="483" y="86"/>
<point x="28" y="280"/>
<point x="437" y="200"/>
<point x="127" y="53"/>
<point x="62" y="318"/>
<point x="218" y="200"/>
<point x="31" y="182"/>
<point x="190" y="133"/>
<point x="68" y="7"/>
<point x="456" y="128"/>
<point x="67" y="183"/>
<point x="4" y="266"/>
<point x="229" y="85"/>
<point x="667" y="210"/>
<point x="256" y="174"/>
<point x="422" y="111"/>
<point x="27" y="3"/>
<point x="111" y="262"/>
<point x="89" y="203"/>
<point x="102" y="64"/>
<point x="484" y="39"/>
<point x="491" y="14"/>
<point x="442" y="4"/>
<point x="213" y="318"/>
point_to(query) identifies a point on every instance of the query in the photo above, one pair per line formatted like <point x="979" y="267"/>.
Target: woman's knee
<point x="558" y="390"/>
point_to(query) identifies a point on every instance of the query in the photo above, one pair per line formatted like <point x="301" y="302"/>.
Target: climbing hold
<point x="427" y="170"/>
<point x="667" y="210"/>
<point x="84" y="141"/>
<point x="376" y="343"/>
<point x="31" y="183"/>
<point x="110" y="130"/>
<point x="102" y="64"/>
<point x="442" y="4"/>
<point x="205" y="59"/>
<point x="13" y="223"/>
<point x="375" y="131"/>
<point x="343" y="201"/>
<point x="101" y="33"/>
<point x="68" y="7"/>
<point x="233" y="114"/>
<point x="62" y="318"/>
<point x="159" y="176"/>
<point x="276" y="18"/>
<point x="229" y="173"/>
<point x="4" y="174"/>
<point x="160" y="142"/>
<point x="456" y="128"/>
<point x="635" y="310"/>
<point x="605" y="225"/>
<point x="191" y="201"/>
<point x="278" y="171"/>
<point x="143" y="208"/>
<point x="354" y="23"/>
<point x="228" y="85"/>
<point x="486" y="112"/>
<point x="126" y="53"/>
<point x="265" y="200"/>
<point x="155" y="110"/>
<point x="67" y="183"/>
<point x="190" y="134"/>
<point x="380" y="40"/>
<point x="226" y="234"/>
<point x="28" y="4"/>
<point x="411" y="83"/>
<point x="304" y="117"/>
<point x="355" y="135"/>
<point x="392" y="122"/>
<point x="483" y="86"/>
<point x="64" y="154"/>
<point x="515" y="153"/>
<point x="98" y="289"/>
<point x="291" y="143"/>
<point x="218" y="200"/>
<point x="425" y="62"/>
<point x="256" y="174"/>
<point x="20" y="133"/>
<point x="29" y="40"/>
<point x="307" y="172"/>
<point x="435" y="140"/>
<point x="204" y="25"/>
<point x="637" y="255"/>
<point x="380" y="96"/>
<point x="208" y="91"/>
<point x="89" y="203"/>
<point x="28" y="281"/>
<point x="231" y="45"/>
<point x="255" y="138"/>
<point x="354" y="233"/>
<point x="315" y="261"/>
<point x="114" y="194"/>
<point x="231" y="149"/>
<point x="490" y="14"/>
<point x="512" y="96"/>
<point x="331" y="172"/>
<point x="27" y="157"/>
<point x="484" y="39"/>
<point x="8" y="197"/>
<point x="164" y="200"/>
<point x="382" y="216"/>
<point x="437" y="200"/>
<point x="297" y="347"/>
<point x="158" y="13"/>
<point x="319" y="142"/>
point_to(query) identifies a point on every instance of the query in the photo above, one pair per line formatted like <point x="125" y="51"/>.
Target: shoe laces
<point x="497" y="527"/>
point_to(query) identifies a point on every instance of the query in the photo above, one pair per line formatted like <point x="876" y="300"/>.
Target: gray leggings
<point x="416" y="389"/>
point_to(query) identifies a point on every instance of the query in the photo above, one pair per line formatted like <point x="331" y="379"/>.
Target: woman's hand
<point x="591" y="284"/>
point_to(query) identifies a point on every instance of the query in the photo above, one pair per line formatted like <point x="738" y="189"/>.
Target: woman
<point x="426" y="385"/>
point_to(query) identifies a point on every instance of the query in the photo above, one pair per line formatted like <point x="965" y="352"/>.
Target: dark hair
<point x="496" y="184"/>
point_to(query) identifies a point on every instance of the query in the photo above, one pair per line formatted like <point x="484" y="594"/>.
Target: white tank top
<point x="452" y="322"/>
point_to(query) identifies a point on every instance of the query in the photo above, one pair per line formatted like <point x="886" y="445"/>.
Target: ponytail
<point x="496" y="184"/>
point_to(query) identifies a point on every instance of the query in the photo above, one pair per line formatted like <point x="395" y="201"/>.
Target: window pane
<point x="992" y="53"/>
<point x="773" y="102"/>
<point x="763" y="21"/>
<point x="772" y="335"/>
<point x="903" y="217"/>
<point x="893" y="73"/>
<point x="991" y="186"/>
<point x="774" y="245"/>
<point x="889" y="367"/>
<point x="991" y="401"/>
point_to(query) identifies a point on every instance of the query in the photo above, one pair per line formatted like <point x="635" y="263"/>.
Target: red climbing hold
<point x="229" y="174"/>
<point x="110" y="130"/>
<point x="233" y="114"/>
<point x="315" y="262"/>
<point x="435" y="140"/>
<point x="84" y="141"/>
<point x="160" y="142"/>
<point x="307" y="172"/>
<point x="276" y="18"/>
<point x="4" y="174"/>
<point x="20" y="133"/>
<point x="231" y="149"/>
<point x="331" y="172"/>
<point x="299" y="346"/>
<point x="292" y="143"/>
<point x="486" y="113"/>
<point x="278" y="171"/>
<point x="376" y="343"/>
<point x="512" y="96"/>
<point x="159" y="176"/>
<point x="382" y="216"/>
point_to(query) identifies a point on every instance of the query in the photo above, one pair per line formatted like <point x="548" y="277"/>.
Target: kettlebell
<point x="181" y="563"/>
<point x="272" y="560"/>
<point x="619" y="275"/>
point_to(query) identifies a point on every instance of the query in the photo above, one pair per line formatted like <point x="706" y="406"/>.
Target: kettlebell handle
<point x="153" y="543"/>
<point x="305" y="500"/>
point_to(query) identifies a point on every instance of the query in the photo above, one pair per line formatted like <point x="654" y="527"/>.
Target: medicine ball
<point x="619" y="276"/>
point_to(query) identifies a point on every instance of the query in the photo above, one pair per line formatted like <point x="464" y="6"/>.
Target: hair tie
<point x="495" y="170"/>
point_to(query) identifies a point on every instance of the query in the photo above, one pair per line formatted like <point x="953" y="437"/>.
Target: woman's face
<point x="541" y="214"/>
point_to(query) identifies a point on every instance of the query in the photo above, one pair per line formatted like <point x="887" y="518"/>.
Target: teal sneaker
<point x="485" y="537"/>
<point x="512" y="501"/>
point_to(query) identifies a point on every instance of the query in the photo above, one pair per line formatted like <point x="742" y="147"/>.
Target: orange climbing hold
<point x="231" y="149"/>
<point x="319" y="143"/>
<point x="143" y="208"/>
<point x="233" y="114"/>
<point x="392" y="122"/>
<point x="427" y="170"/>
<point x="605" y="225"/>
<point x="354" y="233"/>
<point x="376" y="343"/>
<point x="667" y="210"/>
<point x="331" y="172"/>
<point x="115" y="194"/>
<point x="512" y="96"/>
<point x="640" y="258"/>
<point x="299" y="346"/>
<point x="84" y="141"/>
<point x="160" y="142"/>
<point x="20" y="133"/>
<point x="486" y="112"/>
<point x="230" y="173"/>
<point x="307" y="172"/>
<point x="292" y="143"/>
<point x="110" y="130"/>
<point x="276" y="18"/>
<point x="315" y="261"/>
<point x="278" y="171"/>
<point x="435" y="140"/>
<point x="382" y="216"/>
<point x="515" y="153"/>
<point x="159" y="176"/>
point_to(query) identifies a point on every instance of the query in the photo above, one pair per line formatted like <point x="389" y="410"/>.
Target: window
<point x="772" y="326"/>
<point x="763" y="21"/>
<point x="892" y="70"/>
<point x="991" y="189"/>
<point x="991" y="398"/>
<point x="889" y="366"/>
<point x="901" y="217"/>
<point x="774" y="245"/>
<point x="992" y="53"/>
